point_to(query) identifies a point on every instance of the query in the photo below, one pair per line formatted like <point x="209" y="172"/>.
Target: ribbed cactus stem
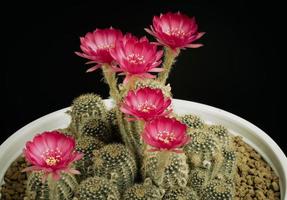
<point x="110" y="77"/>
<point x="169" y="60"/>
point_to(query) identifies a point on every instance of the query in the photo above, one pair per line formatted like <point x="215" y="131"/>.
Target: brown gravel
<point x="15" y="181"/>
<point x="255" y="180"/>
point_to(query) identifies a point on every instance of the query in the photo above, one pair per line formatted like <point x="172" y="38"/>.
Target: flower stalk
<point x="169" y="60"/>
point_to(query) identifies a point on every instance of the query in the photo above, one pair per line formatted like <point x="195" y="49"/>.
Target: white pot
<point x="252" y="135"/>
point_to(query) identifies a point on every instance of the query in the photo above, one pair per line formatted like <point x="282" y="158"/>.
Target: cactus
<point x="211" y="158"/>
<point x="113" y="123"/>
<point x="86" y="145"/>
<point x="145" y="191"/>
<point x="37" y="189"/>
<point x="192" y="121"/>
<point x="198" y="177"/>
<point x="217" y="190"/>
<point x="117" y="159"/>
<point x="96" y="127"/>
<point x="97" y="188"/>
<point x="180" y="193"/>
<point x="175" y="170"/>
<point x="86" y="106"/>
<point x="204" y="151"/>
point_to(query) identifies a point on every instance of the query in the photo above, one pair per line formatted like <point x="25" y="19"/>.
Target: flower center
<point x="146" y="107"/>
<point x="165" y="136"/>
<point x="52" y="157"/>
<point x="176" y="32"/>
<point x="51" y="161"/>
<point x="136" y="58"/>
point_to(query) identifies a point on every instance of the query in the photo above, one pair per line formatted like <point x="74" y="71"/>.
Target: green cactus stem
<point x="145" y="191"/>
<point x="62" y="189"/>
<point x="192" y="121"/>
<point x="97" y="128"/>
<point x="116" y="159"/>
<point x="97" y="188"/>
<point x="86" y="106"/>
<point x="166" y="171"/>
<point x="217" y="190"/>
<point x="86" y="145"/>
<point x="169" y="60"/>
<point x="180" y="193"/>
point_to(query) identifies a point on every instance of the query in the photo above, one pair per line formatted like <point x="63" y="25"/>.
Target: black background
<point x="238" y="70"/>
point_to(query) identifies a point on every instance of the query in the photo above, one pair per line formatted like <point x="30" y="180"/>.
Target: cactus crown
<point x="97" y="188"/>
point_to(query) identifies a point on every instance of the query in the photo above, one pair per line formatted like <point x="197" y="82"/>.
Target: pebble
<point x="254" y="179"/>
<point x="15" y="181"/>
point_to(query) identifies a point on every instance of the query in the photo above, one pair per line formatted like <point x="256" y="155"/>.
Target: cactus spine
<point x="86" y="145"/>
<point x="180" y="193"/>
<point x="97" y="188"/>
<point x="86" y="106"/>
<point x="175" y="169"/>
<point x="116" y="159"/>
<point x="145" y="191"/>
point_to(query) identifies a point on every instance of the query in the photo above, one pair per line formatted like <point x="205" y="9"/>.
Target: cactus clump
<point x="96" y="127"/>
<point x="97" y="188"/>
<point x="116" y="159"/>
<point x="192" y="121"/>
<point x="180" y="193"/>
<point x="37" y="189"/>
<point x="145" y="191"/>
<point x="217" y="190"/>
<point x="86" y="106"/>
<point x="86" y="145"/>
<point x="175" y="171"/>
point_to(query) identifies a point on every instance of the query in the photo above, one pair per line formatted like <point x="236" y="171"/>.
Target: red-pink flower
<point x="136" y="57"/>
<point x="175" y="30"/>
<point x="96" y="46"/>
<point x="146" y="104"/>
<point x="52" y="153"/>
<point x="165" y="134"/>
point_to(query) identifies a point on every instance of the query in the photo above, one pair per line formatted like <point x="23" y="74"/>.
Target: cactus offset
<point x="192" y="121"/>
<point x="217" y="190"/>
<point x="96" y="127"/>
<point x="97" y="188"/>
<point x="117" y="159"/>
<point x="86" y="145"/>
<point x="180" y="193"/>
<point x="86" y="106"/>
<point x="37" y="189"/>
<point x="175" y="170"/>
<point x="145" y="191"/>
<point x="113" y="123"/>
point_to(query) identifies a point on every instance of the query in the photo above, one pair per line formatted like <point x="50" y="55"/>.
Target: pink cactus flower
<point x="175" y="30"/>
<point x="136" y="57"/>
<point x="96" y="46"/>
<point x="52" y="153"/>
<point x="165" y="134"/>
<point x="146" y="104"/>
